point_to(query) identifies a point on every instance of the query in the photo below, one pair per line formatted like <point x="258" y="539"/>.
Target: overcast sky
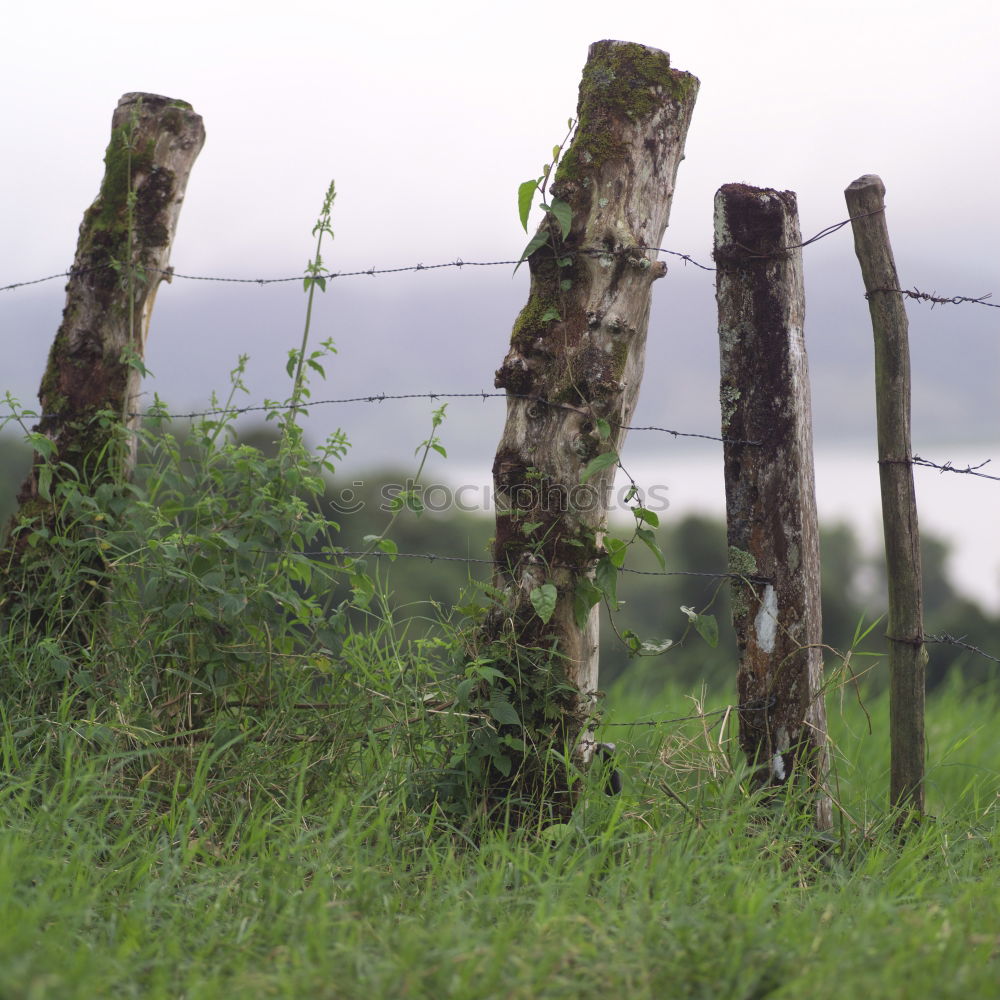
<point x="429" y="115"/>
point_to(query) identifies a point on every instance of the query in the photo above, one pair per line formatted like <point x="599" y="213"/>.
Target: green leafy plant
<point x="560" y="211"/>
<point x="315" y="277"/>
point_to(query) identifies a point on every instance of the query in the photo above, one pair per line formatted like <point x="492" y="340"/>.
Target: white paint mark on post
<point x="766" y="623"/>
<point x="778" y="767"/>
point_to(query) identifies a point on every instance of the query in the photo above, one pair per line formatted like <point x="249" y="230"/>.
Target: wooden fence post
<point x="95" y="363"/>
<point x="905" y="628"/>
<point x="770" y="488"/>
<point x="572" y="375"/>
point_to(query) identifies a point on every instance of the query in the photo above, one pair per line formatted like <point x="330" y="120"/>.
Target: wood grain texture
<point x="907" y="653"/>
<point x="577" y="349"/>
<point x="770" y="488"/>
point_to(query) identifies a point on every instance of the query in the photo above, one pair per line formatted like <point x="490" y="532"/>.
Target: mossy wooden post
<point x="89" y="391"/>
<point x="770" y="488"/>
<point x="576" y="359"/>
<point x="905" y="627"/>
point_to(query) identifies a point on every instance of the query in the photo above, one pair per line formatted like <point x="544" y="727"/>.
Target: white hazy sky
<point x="429" y="114"/>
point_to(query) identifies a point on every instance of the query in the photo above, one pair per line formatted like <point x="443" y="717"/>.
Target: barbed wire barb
<point x="950" y="640"/>
<point x="970" y="470"/>
<point x="938" y="300"/>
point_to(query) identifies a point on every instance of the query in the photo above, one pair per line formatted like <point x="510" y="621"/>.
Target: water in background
<point x="959" y="509"/>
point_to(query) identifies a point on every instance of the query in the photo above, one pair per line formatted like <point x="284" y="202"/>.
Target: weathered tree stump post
<point x="95" y="363"/>
<point x="770" y="488"/>
<point x="905" y="628"/>
<point x="572" y="375"/>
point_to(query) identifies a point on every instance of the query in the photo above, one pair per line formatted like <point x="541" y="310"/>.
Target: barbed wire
<point x="169" y="273"/>
<point x="330" y="275"/>
<point x="969" y="470"/>
<point x="941" y="638"/>
<point x="478" y="561"/>
<point x="373" y="271"/>
<point x="935" y="300"/>
<point x="821" y="235"/>
<point x="754" y="706"/>
<point x="950" y="640"/>
<point x="50" y="277"/>
<point x="381" y="397"/>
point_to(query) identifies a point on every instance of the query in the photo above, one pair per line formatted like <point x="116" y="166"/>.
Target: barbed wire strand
<point x="943" y="638"/>
<point x="936" y="300"/>
<point x="750" y="707"/>
<point x="382" y="397"/>
<point x="821" y="235"/>
<point x="950" y="640"/>
<point x="170" y="273"/>
<point x="373" y="271"/>
<point x="969" y="470"/>
<point x="472" y="560"/>
<point x="156" y="413"/>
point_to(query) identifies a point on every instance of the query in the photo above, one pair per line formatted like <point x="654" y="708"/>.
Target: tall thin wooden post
<point x="572" y="374"/>
<point x="770" y="488"/>
<point x="89" y="390"/>
<point x="905" y="632"/>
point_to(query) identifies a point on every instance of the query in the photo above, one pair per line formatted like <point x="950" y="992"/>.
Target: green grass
<point x="272" y="884"/>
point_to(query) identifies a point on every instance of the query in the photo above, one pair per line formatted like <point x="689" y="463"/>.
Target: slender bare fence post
<point x="770" y="488"/>
<point x="905" y="630"/>
<point x="572" y="375"/>
<point x="95" y="363"/>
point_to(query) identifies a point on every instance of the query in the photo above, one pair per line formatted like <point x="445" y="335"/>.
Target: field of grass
<point x="275" y="884"/>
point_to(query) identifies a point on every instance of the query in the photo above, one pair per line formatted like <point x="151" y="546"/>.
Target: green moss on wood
<point x="744" y="564"/>
<point x="741" y="562"/>
<point x="619" y="358"/>
<point x="620" y="81"/>
<point x="536" y="318"/>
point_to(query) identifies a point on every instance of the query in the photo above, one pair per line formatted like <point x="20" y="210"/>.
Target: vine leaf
<point x="525" y="196"/>
<point x="502" y="710"/>
<point x="595" y="465"/>
<point x="705" y="625"/>
<point x="538" y="240"/>
<point x="607" y="579"/>
<point x="653" y="647"/>
<point x="563" y="214"/>
<point x="649" y="540"/>
<point x="642" y="514"/>
<point x="543" y="599"/>
<point x="616" y="550"/>
<point x="585" y="597"/>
